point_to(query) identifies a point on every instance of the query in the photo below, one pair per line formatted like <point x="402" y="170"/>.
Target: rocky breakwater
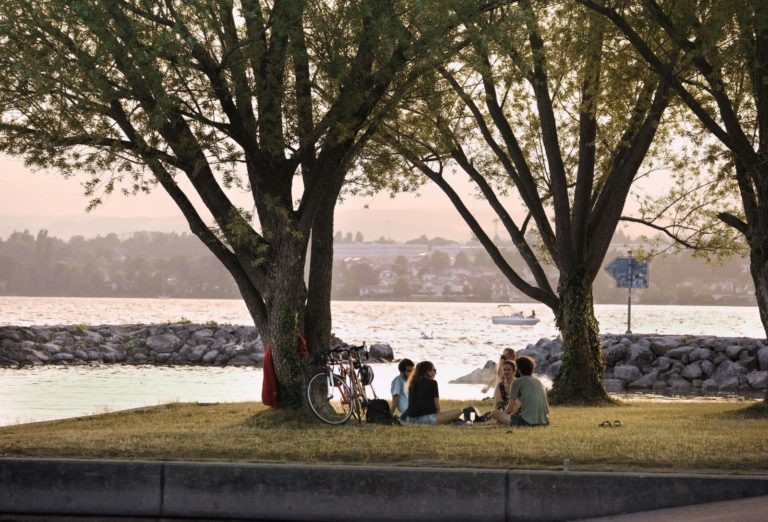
<point x="661" y="363"/>
<point x="171" y="344"/>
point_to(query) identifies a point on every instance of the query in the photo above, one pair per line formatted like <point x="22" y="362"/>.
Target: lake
<point x="463" y="339"/>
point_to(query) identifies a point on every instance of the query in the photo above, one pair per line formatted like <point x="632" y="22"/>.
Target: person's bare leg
<point x="501" y="417"/>
<point x="446" y="416"/>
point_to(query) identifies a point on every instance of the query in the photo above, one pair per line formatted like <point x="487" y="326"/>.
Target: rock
<point x="659" y="386"/>
<point x="707" y="368"/>
<point x="5" y="362"/>
<point x="750" y="363"/>
<point x="163" y="358"/>
<point x="537" y="355"/>
<point x="640" y="353"/>
<point x="732" y="352"/>
<point x="94" y="355"/>
<point x="162" y="343"/>
<point x="240" y="360"/>
<point x="553" y="347"/>
<point x="646" y="381"/>
<point x="709" y="385"/>
<point x="51" y="348"/>
<point x="553" y="368"/>
<point x="615" y="354"/>
<point x="81" y="354"/>
<point x="680" y="353"/>
<point x="482" y="375"/>
<point x="678" y="383"/>
<point x="62" y="357"/>
<point x="758" y="380"/>
<point x="196" y="354"/>
<point x="203" y="334"/>
<point x="31" y="359"/>
<point x="692" y="371"/>
<point x="258" y="358"/>
<point x="11" y="334"/>
<point x="93" y="337"/>
<point x="660" y="345"/>
<point x="701" y="354"/>
<point x="696" y="383"/>
<point x="762" y="356"/>
<point x="41" y="356"/>
<point x="663" y="363"/>
<point x="718" y="360"/>
<point x="380" y="351"/>
<point x="626" y="373"/>
<point x="613" y="385"/>
<point x="138" y="358"/>
<point x="730" y="384"/>
<point x="210" y="356"/>
<point x="728" y="370"/>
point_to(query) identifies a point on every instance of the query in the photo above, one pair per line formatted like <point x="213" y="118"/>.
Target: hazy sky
<point x="35" y="200"/>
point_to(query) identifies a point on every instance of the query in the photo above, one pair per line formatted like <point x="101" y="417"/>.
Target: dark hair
<point x="404" y="365"/>
<point x="526" y="365"/>
<point x="422" y="369"/>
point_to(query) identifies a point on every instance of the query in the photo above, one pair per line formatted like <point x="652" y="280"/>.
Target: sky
<point x="34" y="200"/>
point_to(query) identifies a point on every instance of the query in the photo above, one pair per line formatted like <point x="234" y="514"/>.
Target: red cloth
<point x="302" y="347"/>
<point x="269" y="385"/>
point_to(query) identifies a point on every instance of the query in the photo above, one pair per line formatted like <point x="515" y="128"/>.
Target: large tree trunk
<point x="580" y="380"/>
<point x="758" y="266"/>
<point x="318" y="316"/>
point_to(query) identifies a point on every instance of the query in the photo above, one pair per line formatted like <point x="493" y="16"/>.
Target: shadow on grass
<point x="758" y="410"/>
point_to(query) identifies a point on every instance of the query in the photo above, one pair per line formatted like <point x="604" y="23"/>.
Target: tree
<point x="461" y="261"/>
<point x="209" y="97"/>
<point x="440" y="261"/>
<point x="725" y="86"/>
<point x="402" y="288"/>
<point x="400" y="265"/>
<point x="544" y="107"/>
<point x="359" y="237"/>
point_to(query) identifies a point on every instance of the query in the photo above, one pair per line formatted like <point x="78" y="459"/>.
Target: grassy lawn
<point x="711" y="436"/>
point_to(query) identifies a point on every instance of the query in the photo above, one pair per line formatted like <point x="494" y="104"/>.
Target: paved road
<point x="753" y="509"/>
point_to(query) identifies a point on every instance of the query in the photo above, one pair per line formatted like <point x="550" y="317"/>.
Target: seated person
<point x="508" y="354"/>
<point x="501" y="393"/>
<point x="424" y="399"/>
<point x="528" y="398"/>
<point x="399" y="390"/>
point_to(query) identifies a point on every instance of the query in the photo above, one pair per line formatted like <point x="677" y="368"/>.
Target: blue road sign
<point x="629" y="272"/>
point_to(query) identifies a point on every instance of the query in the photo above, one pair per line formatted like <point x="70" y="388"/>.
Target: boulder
<point x="240" y="360"/>
<point x="482" y="375"/>
<point x="627" y="373"/>
<point x="614" y="354"/>
<point x="379" y="351"/>
<point x="6" y="362"/>
<point x="210" y="356"/>
<point x="81" y="354"/>
<point x="138" y="358"/>
<point x="93" y="337"/>
<point x="758" y="380"/>
<point x="163" y="358"/>
<point x="203" y="334"/>
<point x="762" y="356"/>
<point x="162" y="343"/>
<point x="733" y="351"/>
<point x="729" y="384"/>
<point x="682" y="353"/>
<point x="696" y="383"/>
<point x="94" y="355"/>
<point x="660" y="345"/>
<point x="537" y="355"/>
<point x="728" y="370"/>
<point x="701" y="354"/>
<point x="640" y="353"/>
<point x="677" y="383"/>
<point x="553" y="368"/>
<point x="62" y="357"/>
<point x="51" y="348"/>
<point x="709" y="385"/>
<point x="613" y="385"/>
<point x="663" y="363"/>
<point x="707" y="368"/>
<point x="553" y="347"/>
<point x="659" y="386"/>
<point x="718" y="360"/>
<point x="692" y="371"/>
<point x="11" y="334"/>
<point x="646" y="381"/>
<point x="41" y="356"/>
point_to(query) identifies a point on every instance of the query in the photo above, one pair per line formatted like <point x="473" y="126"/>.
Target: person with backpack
<point x="399" y="388"/>
<point x="528" y="399"/>
<point x="424" y="398"/>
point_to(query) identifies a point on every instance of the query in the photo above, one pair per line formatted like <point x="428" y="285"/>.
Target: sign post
<point x="629" y="272"/>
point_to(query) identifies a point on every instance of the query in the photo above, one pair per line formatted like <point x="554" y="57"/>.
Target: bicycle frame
<point x="348" y="369"/>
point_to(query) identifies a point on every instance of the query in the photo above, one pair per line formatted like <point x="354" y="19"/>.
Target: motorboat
<point x="510" y="318"/>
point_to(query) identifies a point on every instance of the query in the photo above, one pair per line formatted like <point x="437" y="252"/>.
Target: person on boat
<point x="533" y="314"/>
<point x="424" y="398"/>
<point x="399" y="387"/>
<point x="501" y="393"/>
<point x="508" y="354"/>
<point x="528" y="399"/>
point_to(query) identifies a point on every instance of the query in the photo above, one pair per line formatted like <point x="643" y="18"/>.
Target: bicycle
<point x="337" y="392"/>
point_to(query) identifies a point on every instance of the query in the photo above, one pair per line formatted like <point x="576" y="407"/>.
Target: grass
<point x="697" y="437"/>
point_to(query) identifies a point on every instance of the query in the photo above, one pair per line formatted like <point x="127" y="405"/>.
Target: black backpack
<point x="378" y="412"/>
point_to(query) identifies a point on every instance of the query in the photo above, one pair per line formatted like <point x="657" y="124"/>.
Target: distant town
<point x="172" y="265"/>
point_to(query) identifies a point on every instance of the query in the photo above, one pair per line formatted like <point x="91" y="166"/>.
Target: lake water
<point x="463" y="338"/>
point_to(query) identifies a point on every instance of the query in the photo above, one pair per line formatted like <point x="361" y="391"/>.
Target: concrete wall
<point x="284" y="492"/>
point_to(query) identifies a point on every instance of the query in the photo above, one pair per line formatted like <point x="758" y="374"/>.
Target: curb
<point x="295" y="492"/>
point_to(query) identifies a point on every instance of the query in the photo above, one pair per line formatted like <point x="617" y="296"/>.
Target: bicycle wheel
<point x="329" y="404"/>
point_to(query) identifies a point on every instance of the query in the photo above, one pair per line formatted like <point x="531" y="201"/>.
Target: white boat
<point x="514" y="319"/>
